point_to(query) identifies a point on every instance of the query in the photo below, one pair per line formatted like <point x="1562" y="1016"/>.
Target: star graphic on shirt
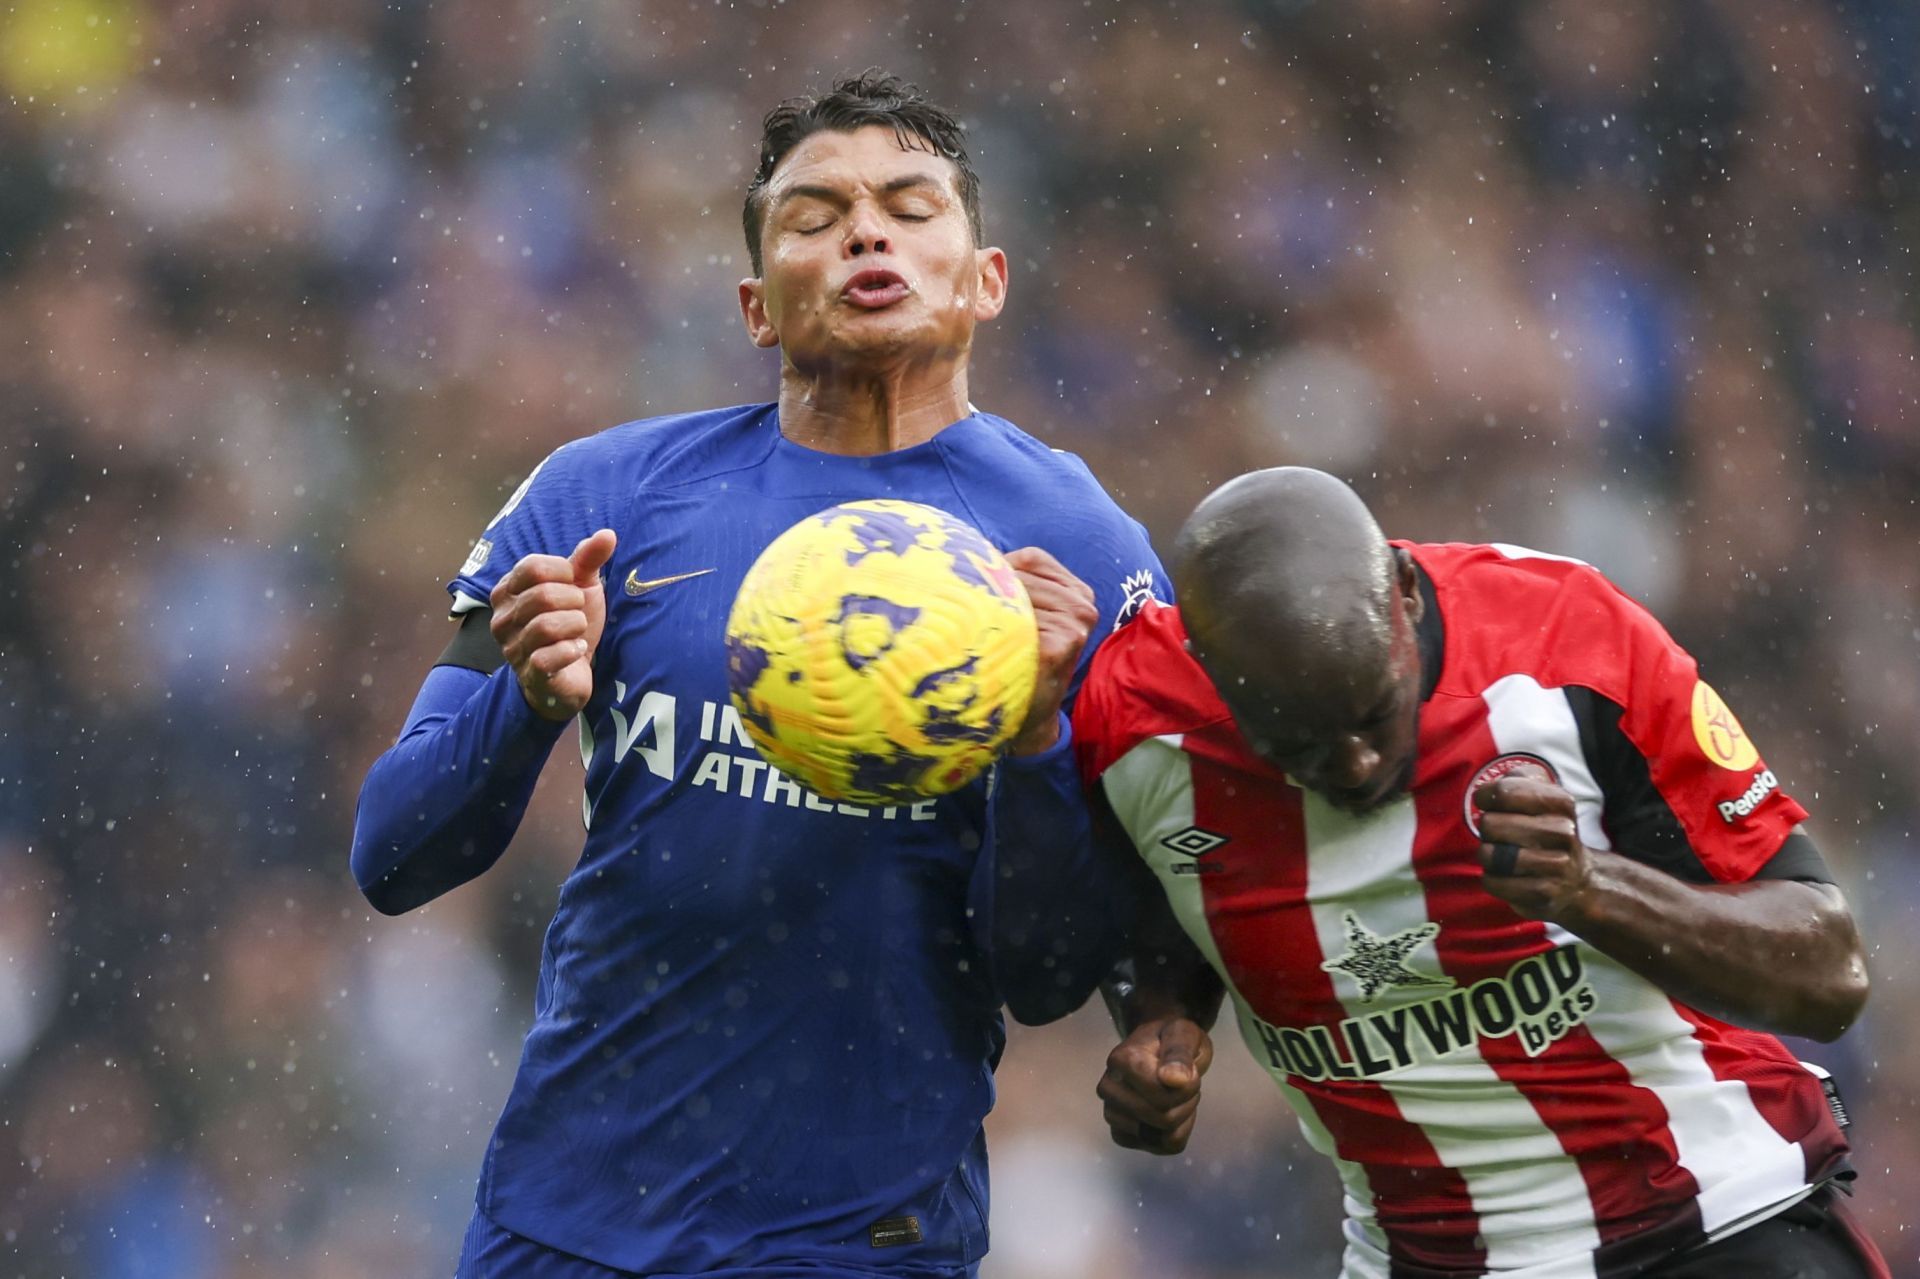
<point x="1376" y="961"/>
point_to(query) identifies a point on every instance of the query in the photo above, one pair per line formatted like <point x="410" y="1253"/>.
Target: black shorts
<point x="1817" y="1238"/>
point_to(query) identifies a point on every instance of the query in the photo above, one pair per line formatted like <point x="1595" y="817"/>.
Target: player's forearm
<point x="1163" y="973"/>
<point x="1050" y="929"/>
<point x="1775" y="955"/>
<point x="1162" y="985"/>
<point x="442" y="805"/>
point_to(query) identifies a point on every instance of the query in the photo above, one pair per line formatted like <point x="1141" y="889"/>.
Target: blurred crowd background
<point x="292" y="294"/>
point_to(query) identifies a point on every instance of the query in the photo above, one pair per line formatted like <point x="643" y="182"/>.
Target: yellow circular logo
<point x="1720" y="736"/>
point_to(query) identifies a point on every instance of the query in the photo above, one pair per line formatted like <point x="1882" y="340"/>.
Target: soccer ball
<point x="881" y="652"/>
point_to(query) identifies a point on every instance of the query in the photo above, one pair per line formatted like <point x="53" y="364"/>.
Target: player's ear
<point x="1406" y="579"/>
<point x="753" y="312"/>
<point x="991" y="295"/>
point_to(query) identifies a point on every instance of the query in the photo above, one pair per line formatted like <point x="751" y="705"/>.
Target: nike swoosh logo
<point x="637" y="587"/>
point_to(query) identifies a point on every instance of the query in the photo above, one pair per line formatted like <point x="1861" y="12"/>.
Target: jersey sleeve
<point x="1135" y="581"/>
<point x="1702" y="773"/>
<point x="1117" y="708"/>
<point x="562" y="501"/>
<point x="1108" y="550"/>
<point x="1095" y="720"/>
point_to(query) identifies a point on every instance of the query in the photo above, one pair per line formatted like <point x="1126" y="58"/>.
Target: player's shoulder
<point x="619" y="455"/>
<point x="592" y="482"/>
<point x="1511" y="609"/>
<point x="672" y="446"/>
<point x="1143" y="683"/>
<point x="1497" y="570"/>
<point x="1483" y="567"/>
<point x="998" y="432"/>
<point x="1027" y="492"/>
<point x="1029" y="466"/>
<point x="1147" y="659"/>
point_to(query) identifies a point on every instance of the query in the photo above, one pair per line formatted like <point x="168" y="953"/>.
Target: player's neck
<point x="868" y="413"/>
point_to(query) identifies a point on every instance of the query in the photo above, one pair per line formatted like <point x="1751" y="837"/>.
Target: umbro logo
<point x="1195" y="842"/>
<point x="637" y="587"/>
<point x="1192" y="842"/>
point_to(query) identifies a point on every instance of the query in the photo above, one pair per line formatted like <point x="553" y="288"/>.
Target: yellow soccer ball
<point x="881" y="652"/>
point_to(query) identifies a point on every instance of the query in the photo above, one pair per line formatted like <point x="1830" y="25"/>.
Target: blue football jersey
<point x="765" y="1028"/>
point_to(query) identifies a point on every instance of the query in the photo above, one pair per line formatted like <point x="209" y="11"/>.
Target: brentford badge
<point x="1518" y="764"/>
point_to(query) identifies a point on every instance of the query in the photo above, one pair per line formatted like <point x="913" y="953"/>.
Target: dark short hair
<point x="872" y="97"/>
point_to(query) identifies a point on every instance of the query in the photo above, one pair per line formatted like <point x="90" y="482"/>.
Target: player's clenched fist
<point x="1530" y="847"/>
<point x="548" y="612"/>
<point x="1065" y="615"/>
<point x="1152" y="1085"/>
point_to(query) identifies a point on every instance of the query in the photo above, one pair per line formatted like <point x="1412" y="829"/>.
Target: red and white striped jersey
<point x="1499" y="1097"/>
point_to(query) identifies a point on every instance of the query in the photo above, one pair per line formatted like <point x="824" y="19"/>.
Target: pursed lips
<point x="874" y="288"/>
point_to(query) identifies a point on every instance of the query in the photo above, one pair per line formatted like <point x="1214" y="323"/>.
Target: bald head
<point x="1302" y="615"/>
<point x="1287" y="562"/>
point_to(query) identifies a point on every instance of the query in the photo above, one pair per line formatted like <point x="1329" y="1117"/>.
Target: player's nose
<point x="866" y="232"/>
<point x="1352" y="763"/>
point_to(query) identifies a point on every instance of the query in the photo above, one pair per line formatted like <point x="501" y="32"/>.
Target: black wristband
<point x="473" y="645"/>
